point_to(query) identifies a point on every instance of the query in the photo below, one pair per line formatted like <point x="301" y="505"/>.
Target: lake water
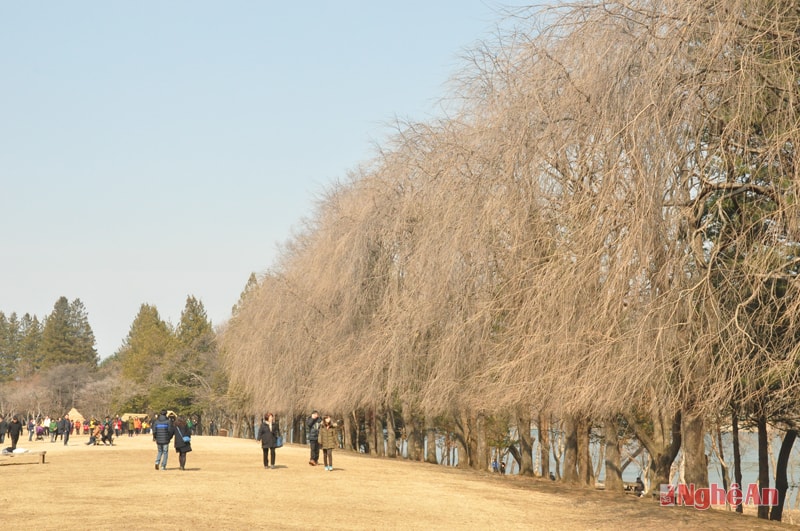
<point x="748" y="443"/>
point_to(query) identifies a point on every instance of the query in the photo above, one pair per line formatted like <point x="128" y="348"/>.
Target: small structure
<point x="74" y="415"/>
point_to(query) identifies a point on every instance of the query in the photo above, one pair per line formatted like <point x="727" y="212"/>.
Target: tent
<point x="127" y="416"/>
<point x="74" y="415"/>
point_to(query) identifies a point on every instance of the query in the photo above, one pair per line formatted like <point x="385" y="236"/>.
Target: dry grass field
<point x="226" y="487"/>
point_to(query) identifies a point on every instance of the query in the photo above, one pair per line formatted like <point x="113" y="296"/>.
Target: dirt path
<point x="226" y="487"/>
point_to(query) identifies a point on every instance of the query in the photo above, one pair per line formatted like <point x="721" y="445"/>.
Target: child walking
<point x="328" y="441"/>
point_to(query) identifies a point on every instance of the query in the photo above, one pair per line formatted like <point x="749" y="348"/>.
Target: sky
<point x="151" y="151"/>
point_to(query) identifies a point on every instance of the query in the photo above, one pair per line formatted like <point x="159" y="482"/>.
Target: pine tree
<point x="67" y="336"/>
<point x="30" y="356"/>
<point x="194" y="329"/>
<point x="147" y="345"/>
<point x="9" y="346"/>
<point x="82" y="334"/>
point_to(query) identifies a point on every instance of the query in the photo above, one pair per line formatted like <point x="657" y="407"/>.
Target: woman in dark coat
<point x="268" y="434"/>
<point x="182" y="440"/>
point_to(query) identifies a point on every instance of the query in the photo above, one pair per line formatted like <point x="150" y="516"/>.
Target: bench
<point x="42" y="454"/>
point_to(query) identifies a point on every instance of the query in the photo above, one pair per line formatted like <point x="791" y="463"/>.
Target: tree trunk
<point x="613" y="462"/>
<point x="781" y="481"/>
<point x="347" y="433"/>
<point x="694" y="448"/>
<point x="419" y="445"/>
<point x="525" y="442"/>
<point x="465" y="439"/>
<point x="723" y="465"/>
<point x="380" y="442"/>
<point x="413" y="436"/>
<point x="391" y="435"/>
<point x="737" y="454"/>
<point x="663" y="445"/>
<point x="582" y="428"/>
<point x="430" y="440"/>
<point x="763" y="462"/>
<point x="470" y="440"/>
<point x="570" y="450"/>
<point x="459" y="439"/>
<point x="514" y="451"/>
<point x="544" y="443"/>
<point x="482" y="448"/>
<point x="369" y="432"/>
<point x="297" y="432"/>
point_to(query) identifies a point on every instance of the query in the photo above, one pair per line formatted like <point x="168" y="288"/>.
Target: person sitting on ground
<point x="96" y="433"/>
<point x="107" y="432"/>
<point x="638" y="489"/>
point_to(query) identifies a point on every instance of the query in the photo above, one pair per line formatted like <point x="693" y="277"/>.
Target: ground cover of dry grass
<point x="226" y="487"/>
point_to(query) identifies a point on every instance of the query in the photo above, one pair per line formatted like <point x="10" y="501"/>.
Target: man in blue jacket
<point x="162" y="434"/>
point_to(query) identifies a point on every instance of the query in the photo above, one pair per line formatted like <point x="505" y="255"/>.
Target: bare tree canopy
<point x="606" y="224"/>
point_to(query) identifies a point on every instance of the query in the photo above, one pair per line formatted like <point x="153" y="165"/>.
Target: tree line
<point x="28" y="345"/>
<point x="602" y="233"/>
<point x="50" y="365"/>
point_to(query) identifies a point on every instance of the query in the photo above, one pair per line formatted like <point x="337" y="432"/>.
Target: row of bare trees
<point x="604" y="228"/>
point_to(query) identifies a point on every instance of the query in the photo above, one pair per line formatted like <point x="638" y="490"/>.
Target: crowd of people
<point x="59" y="428"/>
<point x="166" y="428"/>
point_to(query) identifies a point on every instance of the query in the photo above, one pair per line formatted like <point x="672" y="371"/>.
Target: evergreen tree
<point x="190" y="362"/>
<point x="194" y="329"/>
<point x="67" y="336"/>
<point x="82" y="334"/>
<point x="250" y="287"/>
<point x="30" y="357"/>
<point x="9" y="346"/>
<point x="147" y="345"/>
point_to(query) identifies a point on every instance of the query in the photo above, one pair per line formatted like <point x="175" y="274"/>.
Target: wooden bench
<point x="43" y="453"/>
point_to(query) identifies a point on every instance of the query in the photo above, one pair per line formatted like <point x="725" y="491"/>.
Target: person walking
<point x="3" y="429"/>
<point x="268" y="434"/>
<point x="65" y="428"/>
<point x="53" y="428"/>
<point x="183" y="440"/>
<point x="313" y="424"/>
<point x="162" y="434"/>
<point x="328" y="440"/>
<point x="31" y="430"/>
<point x="13" y="430"/>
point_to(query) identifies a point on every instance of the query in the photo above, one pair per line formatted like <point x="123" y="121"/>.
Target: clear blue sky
<point x="155" y="150"/>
